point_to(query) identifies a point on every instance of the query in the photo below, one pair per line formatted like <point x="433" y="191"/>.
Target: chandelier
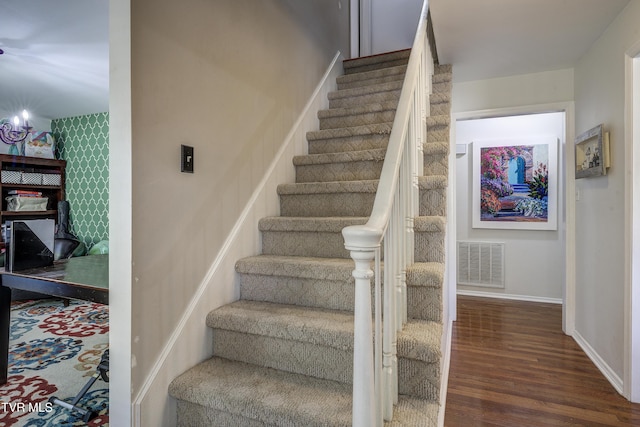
<point x="13" y="133"/>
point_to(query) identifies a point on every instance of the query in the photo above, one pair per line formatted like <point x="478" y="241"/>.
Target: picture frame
<point x="590" y="153"/>
<point x="515" y="183"/>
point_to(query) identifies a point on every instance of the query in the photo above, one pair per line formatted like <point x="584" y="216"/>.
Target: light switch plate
<point x="186" y="154"/>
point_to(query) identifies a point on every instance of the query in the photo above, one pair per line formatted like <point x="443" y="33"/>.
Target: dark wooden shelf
<point x="54" y="193"/>
<point x="29" y="213"/>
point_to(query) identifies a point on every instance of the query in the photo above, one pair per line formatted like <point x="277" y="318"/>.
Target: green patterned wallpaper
<point x="83" y="142"/>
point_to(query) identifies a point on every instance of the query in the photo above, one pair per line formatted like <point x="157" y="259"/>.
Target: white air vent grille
<point x="481" y="264"/>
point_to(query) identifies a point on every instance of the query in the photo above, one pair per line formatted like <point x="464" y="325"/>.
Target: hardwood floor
<point x="512" y="366"/>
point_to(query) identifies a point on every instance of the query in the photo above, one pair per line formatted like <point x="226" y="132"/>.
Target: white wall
<point x="389" y="23"/>
<point x="511" y="96"/>
<point x="600" y="216"/>
<point x="516" y="91"/>
<point x="534" y="260"/>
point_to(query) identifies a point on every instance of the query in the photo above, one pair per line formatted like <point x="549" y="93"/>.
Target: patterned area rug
<point x="54" y="350"/>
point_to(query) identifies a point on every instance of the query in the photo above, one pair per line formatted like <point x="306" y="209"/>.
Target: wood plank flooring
<point x="512" y="366"/>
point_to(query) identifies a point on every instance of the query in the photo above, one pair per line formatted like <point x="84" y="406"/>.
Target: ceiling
<point x="497" y="38"/>
<point x="56" y="53"/>
<point x="56" y="58"/>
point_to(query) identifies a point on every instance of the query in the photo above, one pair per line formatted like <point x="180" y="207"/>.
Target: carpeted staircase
<point x="283" y="352"/>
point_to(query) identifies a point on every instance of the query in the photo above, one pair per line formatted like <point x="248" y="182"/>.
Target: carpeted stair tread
<point x="374" y="62"/>
<point x="315" y="224"/>
<point x="379" y="88"/>
<point x="429" y="224"/>
<point x="432" y="182"/>
<point x="299" y="267"/>
<point x="365" y="186"/>
<point x="361" y="109"/>
<point x="363" y="130"/>
<point x="435" y="148"/>
<point x="253" y="395"/>
<point x="366" y="78"/>
<point x="441" y="120"/>
<point x="419" y="340"/>
<point x="349" y="143"/>
<point x="330" y="328"/>
<point x="362" y="115"/>
<point x="426" y="274"/>
<point x="442" y="77"/>
<point x="343" y="166"/>
<point x="352" y="198"/>
<point x="342" y="157"/>
<point x="440" y="98"/>
<point x="443" y="68"/>
<point x="413" y="412"/>
<point x="265" y="395"/>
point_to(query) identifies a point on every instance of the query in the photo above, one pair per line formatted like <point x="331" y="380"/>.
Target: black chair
<point x="102" y="371"/>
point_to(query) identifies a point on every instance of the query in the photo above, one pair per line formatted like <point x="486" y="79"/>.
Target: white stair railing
<point x="375" y="363"/>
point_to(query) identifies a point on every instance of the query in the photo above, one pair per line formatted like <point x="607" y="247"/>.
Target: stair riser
<point x="422" y="302"/>
<point x="419" y="379"/>
<point x="440" y="109"/>
<point x="438" y="135"/>
<point x="329" y="294"/>
<point x="436" y="164"/>
<point x="441" y="87"/>
<point x="353" y="143"/>
<point x="286" y="355"/>
<point x="375" y="66"/>
<point x="192" y="415"/>
<point x="317" y="361"/>
<point x="367" y="82"/>
<point x="304" y="243"/>
<point x="371" y="98"/>
<point x="429" y="246"/>
<point x="357" y="120"/>
<point x="326" y="205"/>
<point x="440" y="99"/>
<point x="433" y="202"/>
<point x="348" y="171"/>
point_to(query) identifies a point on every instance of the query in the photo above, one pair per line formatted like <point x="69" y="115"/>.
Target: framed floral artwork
<point x="515" y="184"/>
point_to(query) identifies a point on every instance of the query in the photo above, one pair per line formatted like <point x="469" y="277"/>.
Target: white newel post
<point x="364" y="401"/>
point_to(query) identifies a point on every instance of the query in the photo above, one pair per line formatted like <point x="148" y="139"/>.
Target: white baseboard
<point x="190" y="342"/>
<point x="606" y="370"/>
<point x="509" y="296"/>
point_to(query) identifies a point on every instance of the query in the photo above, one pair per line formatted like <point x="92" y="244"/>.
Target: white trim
<point x="569" y="296"/>
<point x="354" y="28"/>
<point x="515" y="297"/>
<point x="445" y="366"/>
<point x="153" y="393"/>
<point x="631" y="373"/>
<point x="366" y="23"/>
<point x="120" y="212"/>
<point x="606" y="370"/>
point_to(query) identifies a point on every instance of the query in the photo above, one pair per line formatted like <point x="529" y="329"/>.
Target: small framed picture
<point x="590" y="153"/>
